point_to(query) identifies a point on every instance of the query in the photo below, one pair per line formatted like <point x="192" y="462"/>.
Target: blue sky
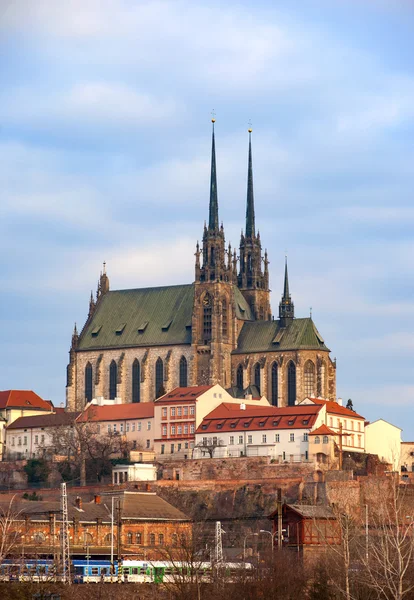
<point x="104" y="155"/>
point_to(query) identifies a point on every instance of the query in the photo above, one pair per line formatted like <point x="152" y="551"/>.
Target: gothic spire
<point x="286" y="295"/>
<point x="213" y="221"/>
<point x="250" y="225"/>
<point x="286" y="306"/>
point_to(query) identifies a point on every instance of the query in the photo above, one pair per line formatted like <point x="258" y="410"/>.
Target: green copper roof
<point x="146" y="317"/>
<point x="268" y="336"/>
<point x="128" y="318"/>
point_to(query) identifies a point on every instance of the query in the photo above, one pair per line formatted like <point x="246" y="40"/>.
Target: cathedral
<point x="141" y="343"/>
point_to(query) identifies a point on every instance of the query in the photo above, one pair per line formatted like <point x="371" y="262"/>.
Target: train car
<point x="166" y="571"/>
<point x="93" y="571"/>
<point x="27" y="570"/>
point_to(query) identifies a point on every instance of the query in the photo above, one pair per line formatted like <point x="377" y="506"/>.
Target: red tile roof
<point x="335" y="408"/>
<point x="46" y="420"/>
<point x="230" y="417"/>
<point x="323" y="430"/>
<point x="183" y="394"/>
<point x="118" y="412"/>
<point x="25" y="399"/>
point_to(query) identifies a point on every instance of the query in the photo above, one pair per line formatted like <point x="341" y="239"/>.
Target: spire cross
<point x="310" y="312"/>
<point x="213" y="116"/>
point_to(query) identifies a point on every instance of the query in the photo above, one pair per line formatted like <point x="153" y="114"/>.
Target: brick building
<point x="138" y="344"/>
<point x="145" y="526"/>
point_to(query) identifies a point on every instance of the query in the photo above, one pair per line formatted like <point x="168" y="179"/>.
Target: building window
<point x="309" y="379"/>
<point x="359" y="441"/>
<point x="164" y="413"/>
<point x="359" y="426"/>
<point x="121" y="428"/>
<point x="231" y="440"/>
<point x="42" y="439"/>
<point x="36" y="440"/>
<point x="152" y="539"/>
<point x="192" y="410"/>
<point x="256" y="376"/>
<point x="172" y="448"/>
<point x="148" y="444"/>
<point x="264" y="438"/>
<point x="164" y="430"/>
<point x="192" y="428"/>
<point x="239" y="377"/>
<point x="325" y="439"/>
<point x="129" y="537"/>
<point x="185" y="429"/>
<point x="109" y="428"/>
<point x="185" y="411"/>
<point x="162" y="448"/>
<point x="139" y="426"/>
<point x="136" y="381"/>
<point x="250" y="439"/>
<point x="183" y="372"/>
<point x="148" y="425"/>
<point x="306" y="437"/>
<point x="178" y="447"/>
<point x="277" y="438"/>
<point x="317" y="439"/>
<point x="291" y="383"/>
<point x="179" y="411"/>
<point x="179" y="429"/>
<point x="25" y="440"/>
<point x="224" y="323"/>
<point x="161" y="539"/>
<point x="291" y="437"/>
<point x="159" y="378"/>
<point x="138" y="538"/>
<point x="88" y="382"/>
<point x="133" y="426"/>
<point x="207" y="314"/>
<point x="240" y="439"/>
<point x="274" y="385"/>
<point x="172" y="412"/>
<point x="114" y="427"/>
<point x="113" y="375"/>
<point x="172" y="429"/>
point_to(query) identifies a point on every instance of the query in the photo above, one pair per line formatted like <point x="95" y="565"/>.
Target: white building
<point x="178" y="414"/>
<point x="135" y="472"/>
<point x="343" y="421"/>
<point x="243" y="430"/>
<point x="384" y="440"/>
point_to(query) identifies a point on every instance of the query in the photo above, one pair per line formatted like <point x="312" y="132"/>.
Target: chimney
<point x="78" y="502"/>
<point x="97" y="499"/>
<point x="242" y="406"/>
<point x="339" y="401"/>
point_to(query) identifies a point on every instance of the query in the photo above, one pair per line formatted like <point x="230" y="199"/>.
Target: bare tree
<point x="208" y="446"/>
<point x="389" y="558"/>
<point x="11" y="527"/>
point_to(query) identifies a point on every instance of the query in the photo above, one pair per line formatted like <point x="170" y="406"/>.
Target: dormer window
<point x="291" y="421"/>
<point x="204" y="426"/>
<point x="232" y="425"/>
<point x="219" y="425"/>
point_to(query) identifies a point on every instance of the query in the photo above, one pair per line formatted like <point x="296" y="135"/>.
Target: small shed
<point x="306" y="526"/>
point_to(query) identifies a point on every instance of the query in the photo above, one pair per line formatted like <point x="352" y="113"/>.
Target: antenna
<point x="65" y="535"/>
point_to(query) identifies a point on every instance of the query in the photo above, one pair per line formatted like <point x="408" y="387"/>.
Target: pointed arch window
<point x="207" y="317"/>
<point x="239" y="377"/>
<point x="309" y="379"/>
<point x="88" y="382"/>
<point x="224" y="319"/>
<point x="159" y="378"/>
<point x="256" y="375"/>
<point x="291" y="383"/>
<point x="274" y="384"/>
<point x="113" y="376"/>
<point x="183" y="372"/>
<point x="136" y="381"/>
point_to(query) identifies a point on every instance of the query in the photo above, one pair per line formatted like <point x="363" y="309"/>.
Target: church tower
<point x="252" y="280"/>
<point x="213" y="328"/>
<point x="286" y="306"/>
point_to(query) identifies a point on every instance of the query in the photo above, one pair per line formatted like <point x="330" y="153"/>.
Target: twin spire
<point x="213" y="221"/>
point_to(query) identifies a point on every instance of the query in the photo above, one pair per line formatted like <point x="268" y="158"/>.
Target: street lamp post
<point x="244" y="545"/>
<point x="271" y="537"/>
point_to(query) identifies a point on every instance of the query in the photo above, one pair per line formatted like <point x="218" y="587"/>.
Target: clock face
<point x="206" y="300"/>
